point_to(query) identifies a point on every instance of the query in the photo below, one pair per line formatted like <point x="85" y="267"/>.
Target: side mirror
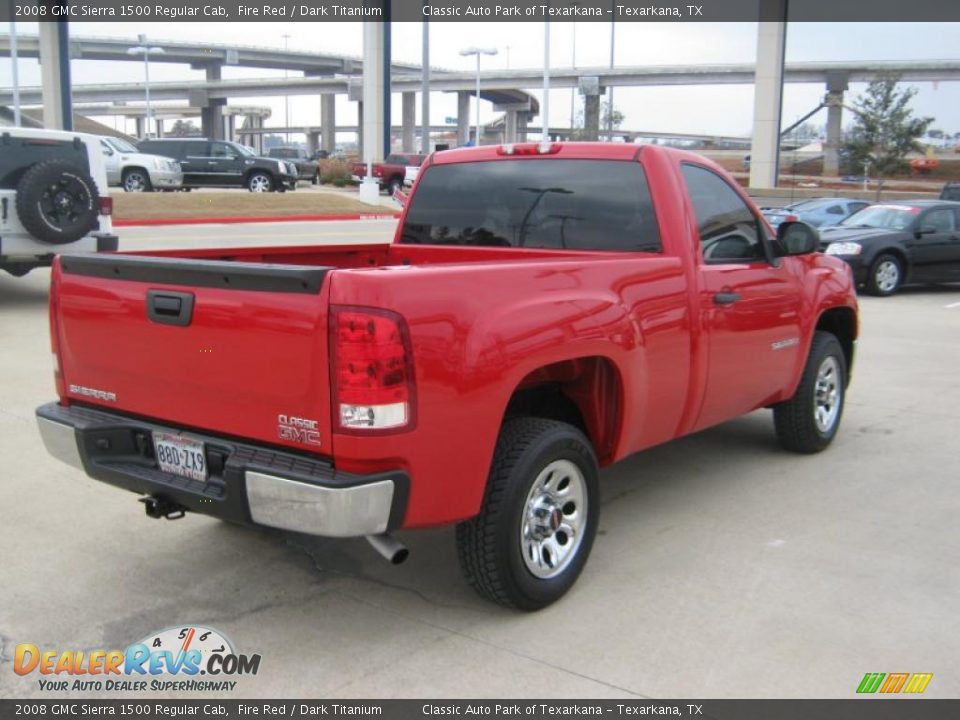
<point x="797" y="238"/>
<point x="107" y="151"/>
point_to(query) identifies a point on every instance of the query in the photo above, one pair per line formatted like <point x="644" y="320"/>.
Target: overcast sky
<point x="695" y="109"/>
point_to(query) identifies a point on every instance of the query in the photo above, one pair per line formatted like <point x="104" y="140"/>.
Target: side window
<point x="221" y="150"/>
<point x="835" y="210"/>
<point x="857" y="207"/>
<point x="942" y="220"/>
<point x="729" y="232"/>
<point x="194" y="148"/>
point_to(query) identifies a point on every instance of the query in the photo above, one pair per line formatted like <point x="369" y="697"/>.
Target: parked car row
<point x="187" y="163"/>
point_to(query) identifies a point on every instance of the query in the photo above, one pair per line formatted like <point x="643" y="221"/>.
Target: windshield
<point x="121" y="145"/>
<point x="888" y="217"/>
<point x="536" y="203"/>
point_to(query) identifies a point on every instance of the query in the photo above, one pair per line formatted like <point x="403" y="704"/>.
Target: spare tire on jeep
<point x="57" y="203"/>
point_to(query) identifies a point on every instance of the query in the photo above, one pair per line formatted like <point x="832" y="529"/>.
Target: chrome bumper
<point x="252" y="484"/>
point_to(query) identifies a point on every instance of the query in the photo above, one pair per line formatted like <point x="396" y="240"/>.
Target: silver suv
<point x="135" y="171"/>
<point x="53" y="197"/>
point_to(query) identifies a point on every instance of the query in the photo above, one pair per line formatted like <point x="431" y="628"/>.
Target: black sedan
<point x="892" y="244"/>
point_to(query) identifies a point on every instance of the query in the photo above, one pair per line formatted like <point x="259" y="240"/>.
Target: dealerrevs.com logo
<point x="187" y="658"/>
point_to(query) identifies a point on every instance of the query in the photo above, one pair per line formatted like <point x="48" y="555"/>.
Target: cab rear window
<point x="535" y="203"/>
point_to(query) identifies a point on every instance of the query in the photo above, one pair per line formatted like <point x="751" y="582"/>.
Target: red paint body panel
<point x="656" y="357"/>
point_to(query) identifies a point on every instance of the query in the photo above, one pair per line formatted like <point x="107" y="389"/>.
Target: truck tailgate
<point x="232" y="346"/>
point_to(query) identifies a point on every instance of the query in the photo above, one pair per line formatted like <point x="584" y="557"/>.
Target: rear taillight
<point x="372" y="377"/>
<point x="791" y="218"/>
<point x="55" y="331"/>
<point x="106" y="206"/>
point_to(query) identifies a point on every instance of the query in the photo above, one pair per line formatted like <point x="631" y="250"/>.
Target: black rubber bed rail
<point x="223" y="274"/>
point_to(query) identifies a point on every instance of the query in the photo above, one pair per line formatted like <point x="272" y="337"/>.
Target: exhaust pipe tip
<point x="393" y="551"/>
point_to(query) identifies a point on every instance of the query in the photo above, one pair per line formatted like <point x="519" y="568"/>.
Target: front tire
<point x="539" y="516"/>
<point x="886" y="275"/>
<point x="137" y="180"/>
<point x="808" y="422"/>
<point x="260" y="182"/>
<point x="394" y="185"/>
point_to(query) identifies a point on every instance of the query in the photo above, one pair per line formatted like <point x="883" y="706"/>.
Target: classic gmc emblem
<point x="298" y="430"/>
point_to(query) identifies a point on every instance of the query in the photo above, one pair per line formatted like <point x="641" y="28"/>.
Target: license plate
<point x="180" y="456"/>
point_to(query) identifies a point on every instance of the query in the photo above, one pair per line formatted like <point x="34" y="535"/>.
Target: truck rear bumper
<point x="255" y="484"/>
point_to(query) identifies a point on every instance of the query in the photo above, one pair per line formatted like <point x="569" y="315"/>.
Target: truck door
<point x="225" y="166"/>
<point x="749" y="306"/>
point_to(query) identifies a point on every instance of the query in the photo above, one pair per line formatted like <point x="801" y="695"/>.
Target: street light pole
<point x="573" y="90"/>
<point x="478" y="52"/>
<point x="613" y="39"/>
<point x="145" y="50"/>
<point x="286" y="98"/>
<point x="14" y="74"/>
<point x="546" y="83"/>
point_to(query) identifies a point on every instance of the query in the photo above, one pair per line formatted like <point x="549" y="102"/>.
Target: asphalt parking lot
<point x="724" y="567"/>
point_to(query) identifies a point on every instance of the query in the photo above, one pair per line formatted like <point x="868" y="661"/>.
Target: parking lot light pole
<point x="146" y="51"/>
<point x="478" y="52"/>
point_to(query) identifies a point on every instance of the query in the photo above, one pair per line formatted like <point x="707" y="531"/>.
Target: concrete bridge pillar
<point x="409" y="120"/>
<point x="328" y="122"/>
<point x="523" y="119"/>
<point x="836" y="85"/>
<point x="590" y="89"/>
<point x="138" y="122"/>
<point x="211" y="118"/>
<point x="313" y="141"/>
<point x="767" y="102"/>
<point x="463" y="117"/>
<point x="510" y="126"/>
<point x="55" y="76"/>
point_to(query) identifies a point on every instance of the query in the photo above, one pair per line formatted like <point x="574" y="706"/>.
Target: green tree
<point x="184" y="128"/>
<point x="610" y="119"/>
<point x="580" y="121"/>
<point x="885" y="129"/>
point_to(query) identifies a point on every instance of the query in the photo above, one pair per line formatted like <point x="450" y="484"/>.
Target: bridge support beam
<point x="836" y="85"/>
<point x="409" y="121"/>
<point x="328" y="122"/>
<point x="55" y="76"/>
<point x="590" y="89"/>
<point x="211" y="118"/>
<point x="767" y="102"/>
<point x="463" y="117"/>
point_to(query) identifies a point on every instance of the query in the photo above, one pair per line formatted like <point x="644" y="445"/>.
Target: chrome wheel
<point x="828" y="394"/>
<point x="554" y="519"/>
<point x="886" y="276"/>
<point x="260" y="183"/>
<point x="135" y="182"/>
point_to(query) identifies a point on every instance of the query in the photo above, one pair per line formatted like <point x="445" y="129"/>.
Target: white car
<point x="53" y="197"/>
<point x="135" y="171"/>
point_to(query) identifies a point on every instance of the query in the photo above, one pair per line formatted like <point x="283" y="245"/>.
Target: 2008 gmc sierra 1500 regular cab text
<point x="543" y="311"/>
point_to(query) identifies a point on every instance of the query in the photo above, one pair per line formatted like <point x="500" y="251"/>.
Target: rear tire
<point x="808" y="422"/>
<point x="539" y="516"/>
<point x="886" y="275"/>
<point x="137" y="180"/>
<point x="57" y="203"/>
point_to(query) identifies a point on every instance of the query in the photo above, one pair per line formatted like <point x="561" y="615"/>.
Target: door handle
<point x="170" y="308"/>
<point x="726" y="298"/>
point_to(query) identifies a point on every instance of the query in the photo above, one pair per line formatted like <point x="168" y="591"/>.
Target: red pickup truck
<point x="543" y="311"/>
<point x="390" y="172"/>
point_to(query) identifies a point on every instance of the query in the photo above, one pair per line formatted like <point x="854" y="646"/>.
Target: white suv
<point x="53" y="197"/>
<point x="135" y="171"/>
